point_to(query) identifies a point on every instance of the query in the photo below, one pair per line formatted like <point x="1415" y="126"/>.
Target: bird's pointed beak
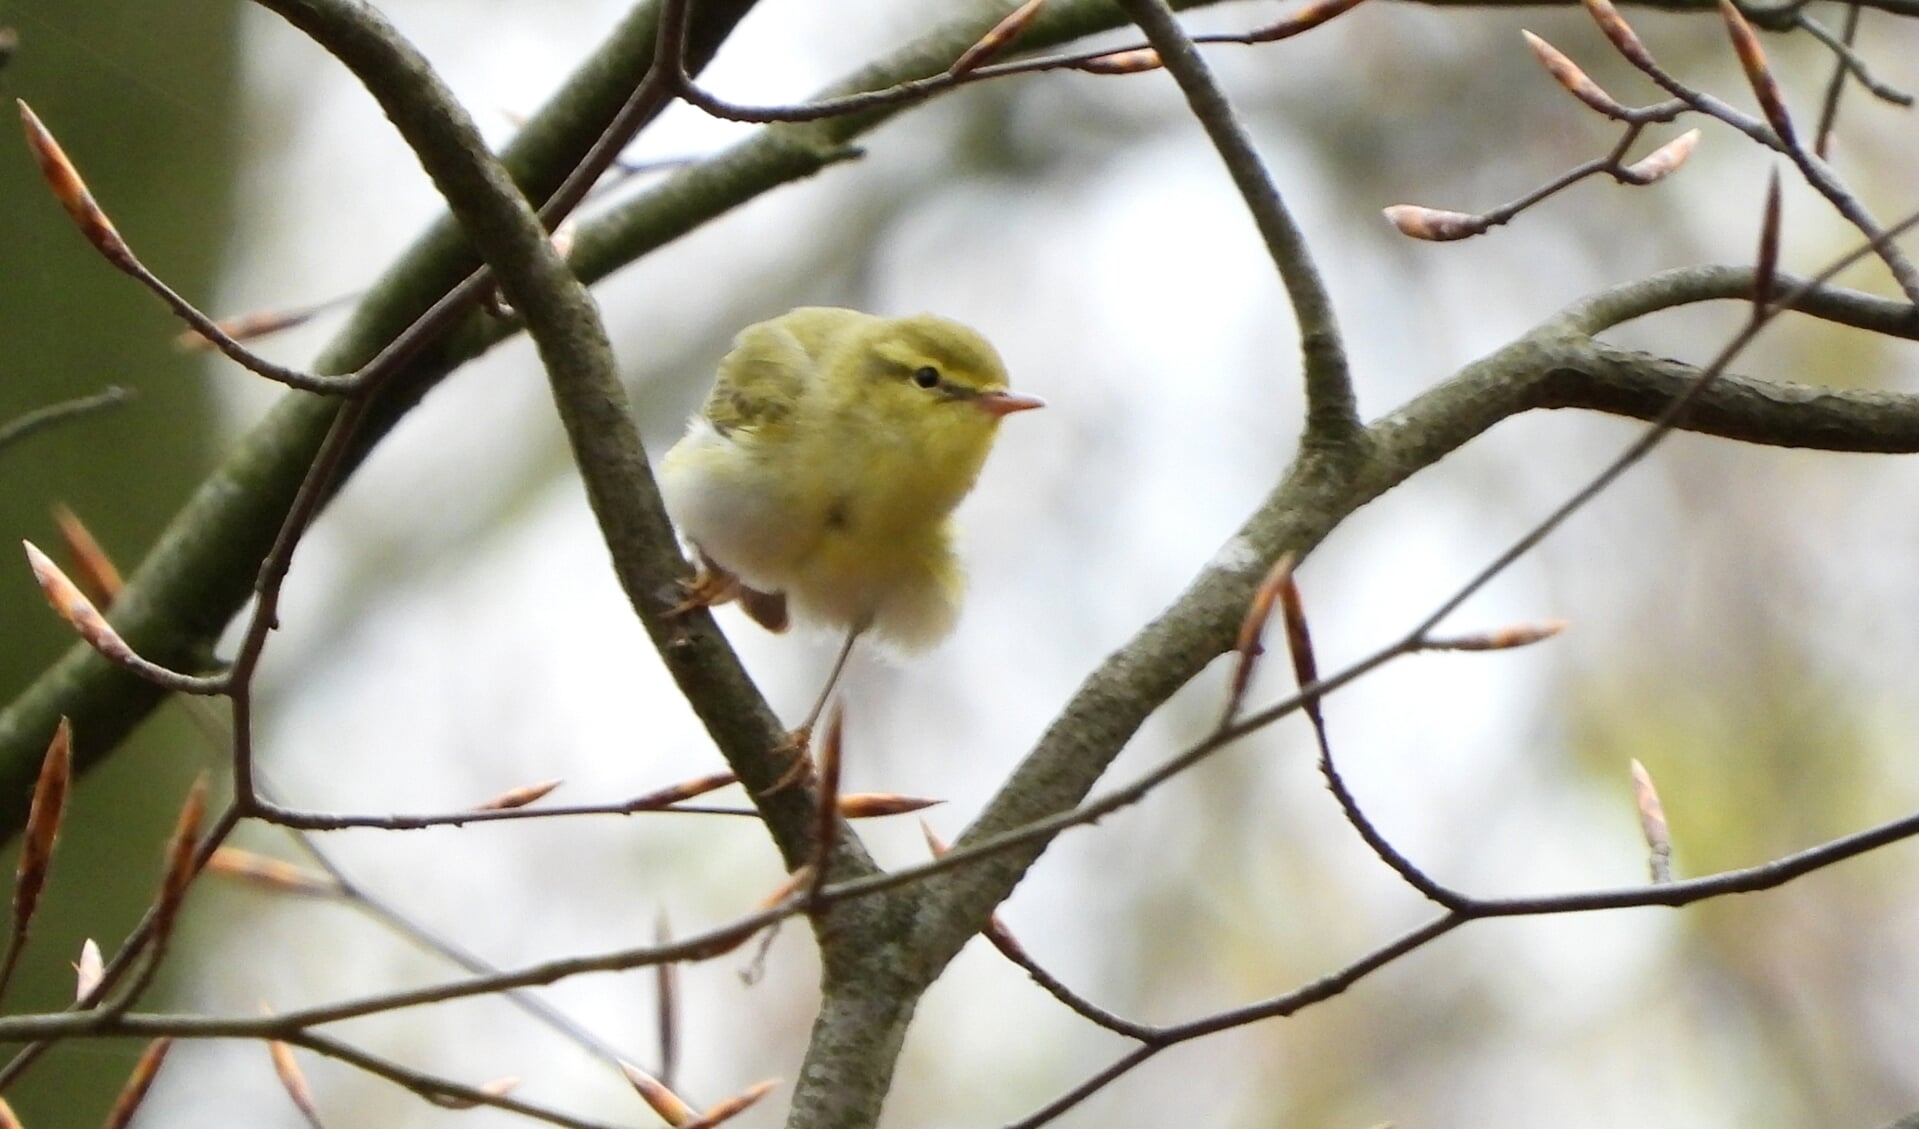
<point x="1001" y="402"/>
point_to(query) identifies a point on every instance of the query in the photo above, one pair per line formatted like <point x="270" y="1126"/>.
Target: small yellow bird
<point x="826" y="464"/>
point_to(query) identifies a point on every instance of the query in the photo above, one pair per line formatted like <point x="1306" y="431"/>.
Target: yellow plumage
<point x="826" y="463"/>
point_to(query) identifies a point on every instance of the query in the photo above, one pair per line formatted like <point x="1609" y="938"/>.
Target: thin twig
<point x="1814" y="171"/>
<point x="709" y="945"/>
<point x="21" y="426"/>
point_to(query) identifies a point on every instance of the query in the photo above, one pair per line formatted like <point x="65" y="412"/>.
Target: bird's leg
<point x="805" y="732"/>
<point x="711" y="586"/>
<point x="798" y="743"/>
<point x="714" y="584"/>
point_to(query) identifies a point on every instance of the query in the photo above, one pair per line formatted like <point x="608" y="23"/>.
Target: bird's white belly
<point x="843" y="552"/>
<point x="734" y="507"/>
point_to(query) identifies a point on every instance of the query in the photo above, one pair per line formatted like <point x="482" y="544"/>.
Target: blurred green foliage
<point x="141" y="98"/>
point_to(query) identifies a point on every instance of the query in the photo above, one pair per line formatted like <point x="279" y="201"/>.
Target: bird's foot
<point x="713" y="585"/>
<point x="798" y="748"/>
<point x="710" y="587"/>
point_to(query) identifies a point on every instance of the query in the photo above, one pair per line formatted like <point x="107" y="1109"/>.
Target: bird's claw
<point x="709" y="587"/>
<point x="798" y="748"/>
<point x="713" y="585"/>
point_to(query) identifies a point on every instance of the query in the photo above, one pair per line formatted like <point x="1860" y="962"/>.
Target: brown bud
<point x="135" y="1091"/>
<point x="292" y="1080"/>
<point x="1663" y="161"/>
<point x="71" y="191"/>
<point x="871" y="805"/>
<point x="248" y="327"/>
<point x="1765" y="270"/>
<point x="1299" y="640"/>
<point x="43" y="825"/>
<point x="93" y="570"/>
<point x="180" y="853"/>
<point x="92" y="627"/>
<point x="826" y="818"/>
<point x="1302" y="19"/>
<point x="794" y="882"/>
<point x="75" y="608"/>
<point x="1137" y="61"/>
<point x="1002" y="939"/>
<point x="658" y="1098"/>
<point x="727" y="1108"/>
<point x="1652" y="823"/>
<point x="1432" y="224"/>
<point x="496" y="1088"/>
<point x="677" y="793"/>
<point x="1503" y="639"/>
<point x="519" y="797"/>
<point x="995" y="931"/>
<point x="934" y="844"/>
<point x="1576" y="81"/>
<point x="88" y="971"/>
<point x="271" y="873"/>
<point x="995" y="40"/>
<point x="1252" y="627"/>
<point x="1752" y="60"/>
<point x="1614" y="27"/>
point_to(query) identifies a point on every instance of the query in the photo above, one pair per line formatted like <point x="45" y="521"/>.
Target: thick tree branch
<point x="200" y="572"/>
<point x="1332" y="413"/>
<point x="880" y="950"/>
<point x="1559" y="366"/>
<point x="1553" y="367"/>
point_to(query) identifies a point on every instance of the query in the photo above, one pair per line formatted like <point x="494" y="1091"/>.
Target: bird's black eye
<point x="926" y="376"/>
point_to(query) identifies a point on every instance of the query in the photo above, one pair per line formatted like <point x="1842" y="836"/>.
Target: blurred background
<point x="1740" y="617"/>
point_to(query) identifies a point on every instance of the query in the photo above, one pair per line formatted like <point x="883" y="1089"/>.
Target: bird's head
<point x="938" y="382"/>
